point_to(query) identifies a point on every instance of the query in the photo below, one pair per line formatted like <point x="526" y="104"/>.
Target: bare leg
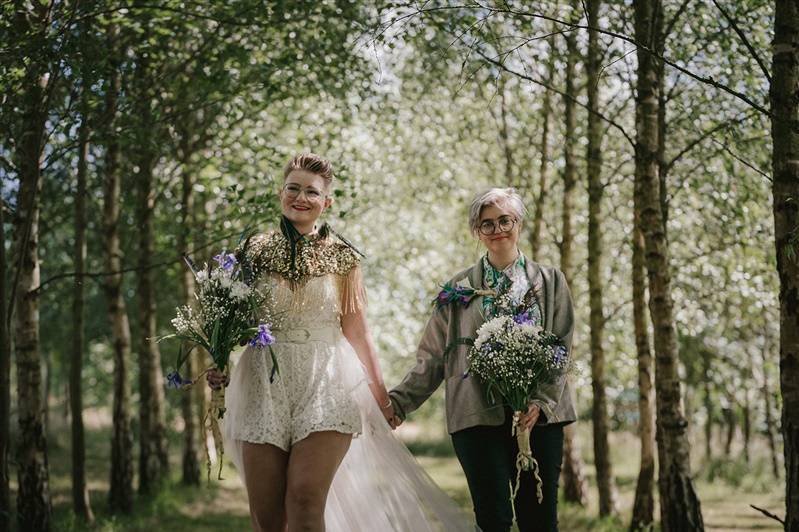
<point x="312" y="465"/>
<point x="265" y="469"/>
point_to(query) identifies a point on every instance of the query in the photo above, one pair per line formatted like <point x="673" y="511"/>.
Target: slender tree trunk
<point x="599" y="410"/>
<point x="120" y="496"/>
<point x="33" y="496"/>
<point x="80" y="492"/>
<point x="569" y="164"/>
<point x="747" y="376"/>
<point x="191" y="456"/>
<point x="5" y="383"/>
<point x="765" y="390"/>
<point x="746" y="412"/>
<point x="504" y="136"/>
<point x="785" y="139"/>
<point x="546" y="111"/>
<point x="33" y="491"/>
<point x="679" y="505"/>
<point x="153" y="458"/>
<point x="662" y="127"/>
<point x="574" y="483"/>
<point x="644" y="504"/>
<point x="730" y="424"/>
<point x="708" y="400"/>
<point x="203" y="393"/>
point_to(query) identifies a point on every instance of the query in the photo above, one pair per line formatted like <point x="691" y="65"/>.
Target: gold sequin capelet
<point x="316" y="256"/>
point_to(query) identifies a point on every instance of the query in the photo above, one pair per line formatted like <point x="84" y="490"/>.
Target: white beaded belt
<point x="303" y="336"/>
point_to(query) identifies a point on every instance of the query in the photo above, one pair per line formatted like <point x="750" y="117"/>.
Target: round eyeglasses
<point x="293" y="191"/>
<point x="503" y="223"/>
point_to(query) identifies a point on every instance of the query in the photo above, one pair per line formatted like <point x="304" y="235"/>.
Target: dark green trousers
<point x="488" y="457"/>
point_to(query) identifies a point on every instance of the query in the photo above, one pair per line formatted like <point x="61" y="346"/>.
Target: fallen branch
<point x="768" y="514"/>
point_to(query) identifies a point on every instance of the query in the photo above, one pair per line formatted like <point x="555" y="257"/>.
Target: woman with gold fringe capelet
<point x="319" y="384"/>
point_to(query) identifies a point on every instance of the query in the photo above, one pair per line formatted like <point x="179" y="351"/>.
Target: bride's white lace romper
<point x="308" y="393"/>
<point x="322" y="386"/>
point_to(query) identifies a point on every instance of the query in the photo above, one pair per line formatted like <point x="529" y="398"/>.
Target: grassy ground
<point x="222" y="505"/>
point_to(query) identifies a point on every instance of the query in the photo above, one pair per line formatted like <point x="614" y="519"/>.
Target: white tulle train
<point x="379" y="487"/>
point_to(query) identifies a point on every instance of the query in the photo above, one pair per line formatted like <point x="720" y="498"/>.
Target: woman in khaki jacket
<point x="481" y="429"/>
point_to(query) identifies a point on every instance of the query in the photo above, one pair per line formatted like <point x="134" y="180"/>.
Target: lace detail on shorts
<point x="308" y="394"/>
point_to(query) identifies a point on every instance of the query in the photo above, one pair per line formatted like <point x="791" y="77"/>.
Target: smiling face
<point x="499" y="242"/>
<point x="304" y="198"/>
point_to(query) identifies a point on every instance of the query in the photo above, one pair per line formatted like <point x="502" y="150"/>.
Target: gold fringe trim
<point x="352" y="291"/>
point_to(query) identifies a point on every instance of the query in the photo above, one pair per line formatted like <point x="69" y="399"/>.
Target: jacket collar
<point x="476" y="274"/>
<point x="536" y="280"/>
<point x="534" y="275"/>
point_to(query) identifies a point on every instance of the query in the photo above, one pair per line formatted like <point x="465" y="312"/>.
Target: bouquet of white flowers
<point x="229" y="312"/>
<point x="515" y="357"/>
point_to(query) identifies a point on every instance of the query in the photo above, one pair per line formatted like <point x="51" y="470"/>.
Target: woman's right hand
<point x="216" y="379"/>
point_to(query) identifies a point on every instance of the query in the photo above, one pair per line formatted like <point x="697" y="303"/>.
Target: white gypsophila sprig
<point x="182" y="322"/>
<point x="239" y="290"/>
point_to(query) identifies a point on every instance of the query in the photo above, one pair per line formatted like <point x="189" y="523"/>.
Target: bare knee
<point x="305" y="506"/>
<point x="264" y="520"/>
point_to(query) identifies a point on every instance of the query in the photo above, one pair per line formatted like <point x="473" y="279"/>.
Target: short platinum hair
<point x="500" y="197"/>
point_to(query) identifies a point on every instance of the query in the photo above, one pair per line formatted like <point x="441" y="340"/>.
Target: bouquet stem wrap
<point x="524" y="459"/>
<point x="215" y="412"/>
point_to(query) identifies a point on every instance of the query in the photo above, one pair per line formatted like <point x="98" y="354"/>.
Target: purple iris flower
<point x="227" y="261"/>
<point x="263" y="337"/>
<point x="174" y="380"/>
<point x="523" y="318"/>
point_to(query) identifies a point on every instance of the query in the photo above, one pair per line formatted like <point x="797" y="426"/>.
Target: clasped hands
<point x="380" y="394"/>
<point x="392" y="418"/>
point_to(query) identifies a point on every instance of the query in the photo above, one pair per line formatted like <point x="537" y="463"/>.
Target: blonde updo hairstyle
<point x="310" y="162"/>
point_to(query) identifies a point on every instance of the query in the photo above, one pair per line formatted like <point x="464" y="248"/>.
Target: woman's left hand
<point x="527" y="421"/>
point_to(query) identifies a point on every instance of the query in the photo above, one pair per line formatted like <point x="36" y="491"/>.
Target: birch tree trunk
<point x="785" y="138"/>
<point x="599" y="410"/>
<point x="120" y="495"/>
<point x="679" y="505"/>
<point x="80" y="492"/>
<point x="707" y="379"/>
<point x="644" y="503"/>
<point x="769" y="420"/>
<point x="5" y="382"/>
<point x="569" y="163"/>
<point x="540" y="204"/>
<point x="33" y="490"/>
<point x="33" y="496"/>
<point x="574" y="483"/>
<point x="192" y="432"/>
<point x="504" y="135"/>
<point x="153" y="458"/>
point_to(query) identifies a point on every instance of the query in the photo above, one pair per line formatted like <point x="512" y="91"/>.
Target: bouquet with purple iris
<point x="229" y="312"/>
<point x="515" y="357"/>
